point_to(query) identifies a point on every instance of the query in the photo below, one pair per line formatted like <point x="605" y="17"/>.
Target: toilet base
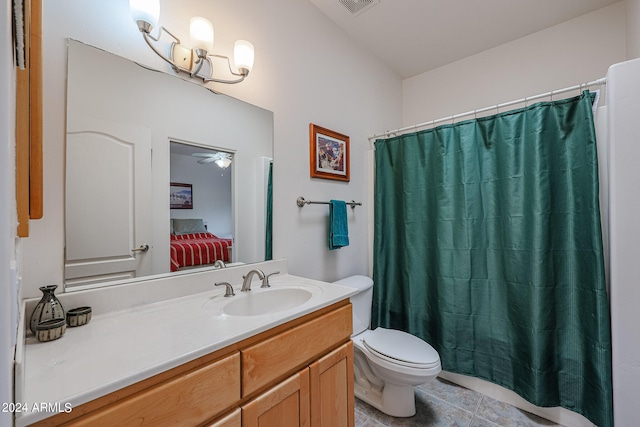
<point x="393" y="400"/>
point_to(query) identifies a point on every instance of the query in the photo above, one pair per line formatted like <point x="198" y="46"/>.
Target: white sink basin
<point x="255" y="303"/>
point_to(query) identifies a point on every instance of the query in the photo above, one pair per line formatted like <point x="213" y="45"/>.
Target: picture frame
<point x="180" y="196"/>
<point x="329" y="155"/>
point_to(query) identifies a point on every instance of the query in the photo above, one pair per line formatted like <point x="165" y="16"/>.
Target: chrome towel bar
<point x="301" y="201"/>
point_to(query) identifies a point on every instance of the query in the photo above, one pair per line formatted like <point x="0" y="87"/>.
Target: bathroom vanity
<point x="186" y="361"/>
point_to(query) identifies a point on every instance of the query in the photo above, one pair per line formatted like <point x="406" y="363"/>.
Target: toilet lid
<point x="402" y="347"/>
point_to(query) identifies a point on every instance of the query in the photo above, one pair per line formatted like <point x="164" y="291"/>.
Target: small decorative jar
<point x="48" y="308"/>
<point x="78" y="316"/>
<point x="50" y="330"/>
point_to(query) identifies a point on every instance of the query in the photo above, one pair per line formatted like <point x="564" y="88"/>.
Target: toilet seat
<point x="401" y="348"/>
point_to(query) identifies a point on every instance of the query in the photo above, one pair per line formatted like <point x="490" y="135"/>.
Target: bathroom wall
<point x="8" y="298"/>
<point x="306" y="70"/>
<point x="574" y="52"/>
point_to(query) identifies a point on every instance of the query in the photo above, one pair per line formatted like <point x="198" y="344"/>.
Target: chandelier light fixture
<point x="146" y="13"/>
<point x="223" y="161"/>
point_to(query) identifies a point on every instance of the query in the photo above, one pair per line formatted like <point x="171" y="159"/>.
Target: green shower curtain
<point x="488" y="246"/>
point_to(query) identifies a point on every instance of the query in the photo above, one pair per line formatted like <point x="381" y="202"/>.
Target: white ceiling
<point x="415" y="36"/>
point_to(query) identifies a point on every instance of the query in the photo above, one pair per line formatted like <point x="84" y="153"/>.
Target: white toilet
<point x="388" y="362"/>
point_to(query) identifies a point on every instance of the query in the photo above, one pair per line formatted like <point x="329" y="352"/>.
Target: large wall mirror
<point x="138" y="142"/>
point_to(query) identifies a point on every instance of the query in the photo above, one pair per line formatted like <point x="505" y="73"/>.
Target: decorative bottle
<point x="48" y="308"/>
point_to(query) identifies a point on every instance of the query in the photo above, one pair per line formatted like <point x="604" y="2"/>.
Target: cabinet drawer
<point x="188" y="399"/>
<point x="286" y="352"/>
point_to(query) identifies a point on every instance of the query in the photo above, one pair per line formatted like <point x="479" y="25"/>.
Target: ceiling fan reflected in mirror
<point x="220" y="158"/>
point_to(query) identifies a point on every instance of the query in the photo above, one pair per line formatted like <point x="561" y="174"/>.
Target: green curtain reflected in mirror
<point x="268" y="241"/>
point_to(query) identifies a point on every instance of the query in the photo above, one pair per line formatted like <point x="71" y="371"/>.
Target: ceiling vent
<point x="356" y="7"/>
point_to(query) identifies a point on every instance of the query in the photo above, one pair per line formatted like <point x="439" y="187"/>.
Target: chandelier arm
<point x="148" y="36"/>
<point x="212" y="79"/>
<point x="228" y="63"/>
<point x="170" y="33"/>
<point x="199" y="63"/>
<point x="146" y="28"/>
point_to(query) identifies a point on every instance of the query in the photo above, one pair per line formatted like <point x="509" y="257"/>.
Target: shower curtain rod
<point x="598" y="82"/>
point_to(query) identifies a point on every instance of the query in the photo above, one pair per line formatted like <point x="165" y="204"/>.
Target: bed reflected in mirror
<point x="201" y="201"/>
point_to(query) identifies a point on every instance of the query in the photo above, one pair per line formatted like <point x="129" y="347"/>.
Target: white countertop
<point x="119" y="348"/>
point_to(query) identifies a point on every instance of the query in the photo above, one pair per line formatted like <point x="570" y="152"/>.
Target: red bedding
<point x="197" y="249"/>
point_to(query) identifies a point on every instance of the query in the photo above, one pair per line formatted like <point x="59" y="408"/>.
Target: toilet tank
<point x="361" y="302"/>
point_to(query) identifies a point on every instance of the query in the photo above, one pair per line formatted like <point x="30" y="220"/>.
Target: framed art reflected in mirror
<point x="181" y="196"/>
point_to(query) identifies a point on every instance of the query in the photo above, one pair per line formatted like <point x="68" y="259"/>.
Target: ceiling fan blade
<point x="207" y="160"/>
<point x="203" y="154"/>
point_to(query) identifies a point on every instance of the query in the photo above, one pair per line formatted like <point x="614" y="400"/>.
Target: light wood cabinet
<point x="29" y="89"/>
<point x="318" y="396"/>
<point x="331" y="389"/>
<point x="296" y="374"/>
<point x="186" y="400"/>
<point x="234" y="419"/>
<point x="285" y="405"/>
<point x="273" y="358"/>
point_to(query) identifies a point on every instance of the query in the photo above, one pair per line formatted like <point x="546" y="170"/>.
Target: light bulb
<point x="145" y="10"/>
<point x="201" y="30"/>
<point x="223" y="163"/>
<point x="243" y="55"/>
<point x="223" y="160"/>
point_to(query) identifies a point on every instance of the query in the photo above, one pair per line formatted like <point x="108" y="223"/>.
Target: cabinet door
<point x="331" y="389"/>
<point x="285" y="405"/>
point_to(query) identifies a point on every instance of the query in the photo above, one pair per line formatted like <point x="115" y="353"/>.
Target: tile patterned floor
<point x="441" y="403"/>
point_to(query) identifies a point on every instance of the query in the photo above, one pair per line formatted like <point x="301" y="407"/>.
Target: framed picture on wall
<point x="180" y="196"/>
<point x="328" y="154"/>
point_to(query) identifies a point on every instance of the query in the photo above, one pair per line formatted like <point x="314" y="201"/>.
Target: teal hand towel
<point x="338" y="229"/>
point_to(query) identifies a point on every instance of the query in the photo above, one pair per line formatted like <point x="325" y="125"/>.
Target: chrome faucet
<point x="265" y="281"/>
<point x="246" y="284"/>
<point x="219" y="264"/>
<point x="228" y="288"/>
